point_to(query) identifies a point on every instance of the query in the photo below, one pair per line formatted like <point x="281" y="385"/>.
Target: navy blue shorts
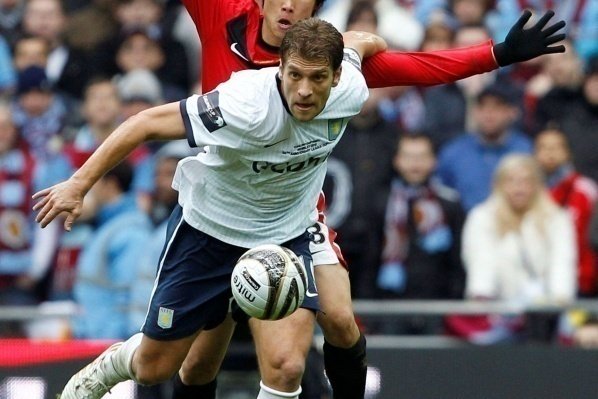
<point x="192" y="290"/>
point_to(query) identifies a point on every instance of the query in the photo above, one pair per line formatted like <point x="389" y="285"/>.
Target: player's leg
<point x="196" y="378"/>
<point x="344" y="347"/>
<point x="282" y="348"/>
<point x="140" y="358"/>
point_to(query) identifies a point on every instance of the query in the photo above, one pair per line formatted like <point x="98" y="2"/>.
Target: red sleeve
<point x="205" y="14"/>
<point x="424" y="69"/>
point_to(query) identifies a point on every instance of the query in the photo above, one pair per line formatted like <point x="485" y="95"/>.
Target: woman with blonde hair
<point x="518" y="244"/>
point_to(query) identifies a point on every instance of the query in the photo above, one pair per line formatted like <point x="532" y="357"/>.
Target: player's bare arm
<point x="365" y="43"/>
<point x="159" y="123"/>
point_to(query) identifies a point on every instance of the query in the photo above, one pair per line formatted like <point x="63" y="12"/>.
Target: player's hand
<point x="525" y="44"/>
<point x="365" y="43"/>
<point x="63" y="197"/>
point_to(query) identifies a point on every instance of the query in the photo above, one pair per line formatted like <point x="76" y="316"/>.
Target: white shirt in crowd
<point x="526" y="265"/>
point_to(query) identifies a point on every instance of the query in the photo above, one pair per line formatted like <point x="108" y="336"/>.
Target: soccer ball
<point x="269" y="282"/>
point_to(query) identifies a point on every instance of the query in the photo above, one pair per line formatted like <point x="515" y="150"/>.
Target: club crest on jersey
<point x="335" y="127"/>
<point x="209" y="111"/>
<point x="165" y="317"/>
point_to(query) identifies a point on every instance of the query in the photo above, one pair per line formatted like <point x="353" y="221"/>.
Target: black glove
<point x="525" y="44"/>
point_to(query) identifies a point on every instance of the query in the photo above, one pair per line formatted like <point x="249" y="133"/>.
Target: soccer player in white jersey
<point x="267" y="135"/>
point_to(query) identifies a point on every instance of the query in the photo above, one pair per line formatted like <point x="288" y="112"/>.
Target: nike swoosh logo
<point x="311" y="268"/>
<point x="273" y="144"/>
<point x="233" y="48"/>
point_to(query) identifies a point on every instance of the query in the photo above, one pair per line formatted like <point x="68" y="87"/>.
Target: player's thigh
<point x="192" y="288"/>
<point x="282" y="342"/>
<point x="334" y="288"/>
<point x="207" y="353"/>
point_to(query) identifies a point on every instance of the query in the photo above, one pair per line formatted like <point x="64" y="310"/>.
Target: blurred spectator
<point x="25" y="248"/>
<point x="577" y="194"/>
<point x="7" y="73"/>
<point x="391" y="15"/>
<point x="519" y="245"/>
<point x="356" y="187"/>
<point x="11" y="14"/>
<point x="96" y="13"/>
<point x="471" y="12"/>
<point x="558" y="82"/>
<point x="39" y="113"/>
<point x="467" y="163"/>
<point x="105" y="105"/>
<point x="363" y="17"/>
<point x="461" y="12"/>
<point x="101" y="110"/>
<point x="576" y="114"/>
<point x="31" y="51"/>
<point x="139" y="50"/>
<point x="106" y="269"/>
<point x="67" y="69"/>
<point x="145" y="36"/>
<point x="424" y="219"/>
<point x="438" y="35"/>
<point x="139" y="90"/>
<point x="447" y="106"/>
<point x="164" y="199"/>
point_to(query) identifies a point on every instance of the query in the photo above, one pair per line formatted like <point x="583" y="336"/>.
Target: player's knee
<point x="198" y="371"/>
<point x="153" y="370"/>
<point x="286" y="369"/>
<point x="339" y="327"/>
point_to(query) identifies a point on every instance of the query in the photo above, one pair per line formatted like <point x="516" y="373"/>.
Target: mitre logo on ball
<point x="269" y="282"/>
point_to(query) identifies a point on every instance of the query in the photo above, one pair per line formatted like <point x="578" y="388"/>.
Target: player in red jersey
<point x="237" y="35"/>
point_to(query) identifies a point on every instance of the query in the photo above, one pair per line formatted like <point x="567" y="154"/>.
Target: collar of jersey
<point x="279" y="87"/>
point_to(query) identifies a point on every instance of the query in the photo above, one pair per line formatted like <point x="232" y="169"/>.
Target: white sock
<point x="122" y="358"/>
<point x="269" y="393"/>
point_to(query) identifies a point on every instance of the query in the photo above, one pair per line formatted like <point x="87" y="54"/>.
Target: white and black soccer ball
<point x="269" y="282"/>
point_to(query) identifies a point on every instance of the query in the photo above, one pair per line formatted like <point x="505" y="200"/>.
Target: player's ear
<point x="280" y="71"/>
<point x="337" y="76"/>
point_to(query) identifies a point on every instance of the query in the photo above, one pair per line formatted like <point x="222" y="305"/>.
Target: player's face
<point x="306" y="85"/>
<point x="280" y="15"/>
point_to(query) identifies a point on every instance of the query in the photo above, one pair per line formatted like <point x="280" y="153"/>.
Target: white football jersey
<point x="262" y="170"/>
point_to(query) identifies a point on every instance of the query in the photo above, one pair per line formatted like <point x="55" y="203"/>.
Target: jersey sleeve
<point x="207" y="15"/>
<point x="347" y="98"/>
<point x="428" y="68"/>
<point x="227" y="116"/>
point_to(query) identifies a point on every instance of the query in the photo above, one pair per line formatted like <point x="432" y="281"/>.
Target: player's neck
<point x="269" y="38"/>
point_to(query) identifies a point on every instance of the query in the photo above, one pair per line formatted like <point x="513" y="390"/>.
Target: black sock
<point x="346" y="369"/>
<point x="182" y="391"/>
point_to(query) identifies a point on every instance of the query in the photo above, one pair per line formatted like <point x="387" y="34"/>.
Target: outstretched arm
<point x="159" y="123"/>
<point x="445" y="66"/>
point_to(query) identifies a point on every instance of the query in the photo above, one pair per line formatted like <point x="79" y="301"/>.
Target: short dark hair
<point x="359" y="8"/>
<point x="122" y="175"/>
<point x="552" y="128"/>
<point x="313" y="39"/>
<point x="417" y="137"/>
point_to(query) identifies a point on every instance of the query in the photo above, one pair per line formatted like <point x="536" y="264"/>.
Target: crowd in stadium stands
<point x="484" y="189"/>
